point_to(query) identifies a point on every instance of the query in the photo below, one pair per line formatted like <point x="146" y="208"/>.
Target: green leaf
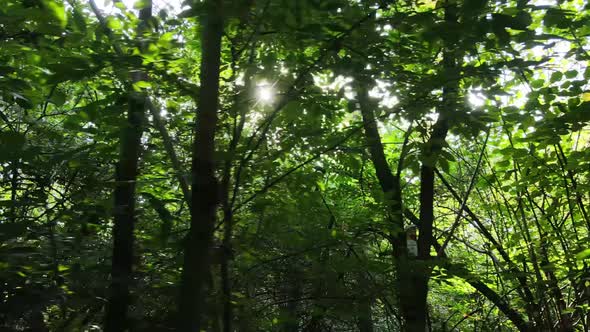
<point x="538" y="83"/>
<point x="141" y="4"/>
<point x="114" y="24"/>
<point x="79" y="21"/>
<point x="556" y="76"/>
<point x="58" y="98"/>
<point x="140" y="85"/>
<point x="58" y="11"/>
<point x="571" y="73"/>
<point x="71" y="69"/>
<point x="556" y="18"/>
<point x="583" y="254"/>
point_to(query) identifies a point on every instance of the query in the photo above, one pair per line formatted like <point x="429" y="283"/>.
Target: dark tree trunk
<point x="241" y="104"/>
<point x="13" y="190"/>
<point x="126" y="174"/>
<point x="204" y="187"/>
<point x="429" y="158"/>
<point x="387" y="180"/>
<point x="291" y="292"/>
<point x="365" y="312"/>
<point x="414" y="315"/>
<point x="124" y="210"/>
<point x="225" y="270"/>
<point x="412" y="277"/>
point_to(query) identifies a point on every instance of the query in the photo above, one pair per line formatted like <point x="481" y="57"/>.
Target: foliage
<point x="304" y="238"/>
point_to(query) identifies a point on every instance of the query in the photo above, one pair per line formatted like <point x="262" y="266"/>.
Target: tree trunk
<point x="225" y="270"/>
<point x="204" y="187"/>
<point x="413" y="314"/>
<point x="124" y="210"/>
<point x="429" y="158"/>
<point x="124" y="216"/>
<point x="14" y="189"/>
<point x="365" y="312"/>
<point x="291" y="293"/>
<point x="241" y="104"/>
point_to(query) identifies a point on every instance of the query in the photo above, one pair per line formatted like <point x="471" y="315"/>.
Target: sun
<point x="265" y="93"/>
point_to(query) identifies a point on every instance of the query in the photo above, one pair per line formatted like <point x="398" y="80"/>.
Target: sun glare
<point x="265" y="93"/>
<point x="173" y="7"/>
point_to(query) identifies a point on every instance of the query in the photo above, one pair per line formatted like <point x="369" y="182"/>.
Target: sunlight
<point x="173" y="7"/>
<point x="265" y="93"/>
<point x="476" y="98"/>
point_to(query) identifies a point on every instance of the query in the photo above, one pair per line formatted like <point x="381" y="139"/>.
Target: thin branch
<point x="404" y="151"/>
<point x="169" y="146"/>
<point x="292" y="170"/>
<point x="471" y="184"/>
<point x="464" y="318"/>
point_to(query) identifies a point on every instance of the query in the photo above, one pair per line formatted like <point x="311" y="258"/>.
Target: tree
<point x="124" y="196"/>
<point x="257" y="166"/>
<point x="205" y="190"/>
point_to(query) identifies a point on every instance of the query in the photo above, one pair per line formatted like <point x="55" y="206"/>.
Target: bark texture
<point x="406" y="271"/>
<point x="116" y="318"/>
<point x="205" y="196"/>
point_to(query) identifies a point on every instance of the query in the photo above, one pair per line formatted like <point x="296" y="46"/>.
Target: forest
<point x="294" y="165"/>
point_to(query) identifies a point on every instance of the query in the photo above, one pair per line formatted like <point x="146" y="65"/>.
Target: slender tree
<point x="205" y="195"/>
<point x="116" y="318"/>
